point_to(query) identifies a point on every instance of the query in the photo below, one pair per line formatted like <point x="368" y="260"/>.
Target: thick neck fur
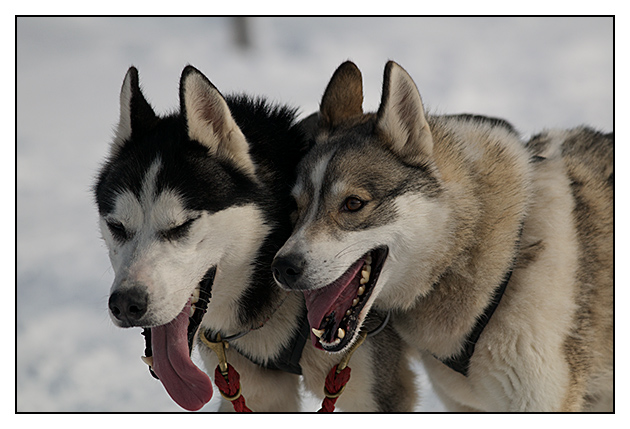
<point x="484" y="172"/>
<point x="275" y="146"/>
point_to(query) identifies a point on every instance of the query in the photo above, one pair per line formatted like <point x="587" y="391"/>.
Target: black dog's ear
<point x="401" y="116"/>
<point x="210" y="122"/>
<point x="136" y="114"/>
<point x="343" y="97"/>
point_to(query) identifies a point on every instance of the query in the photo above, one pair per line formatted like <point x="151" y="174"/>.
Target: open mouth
<point x="199" y="305"/>
<point x="335" y="312"/>
<point x="168" y="349"/>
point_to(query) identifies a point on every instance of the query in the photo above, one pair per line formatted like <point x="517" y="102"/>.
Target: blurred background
<point x="535" y="72"/>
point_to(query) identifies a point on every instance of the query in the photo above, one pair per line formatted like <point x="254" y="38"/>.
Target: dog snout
<point x="287" y="270"/>
<point x="130" y="305"/>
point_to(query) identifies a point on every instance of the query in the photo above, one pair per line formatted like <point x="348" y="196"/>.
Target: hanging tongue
<point x="185" y="383"/>
<point x="335" y="298"/>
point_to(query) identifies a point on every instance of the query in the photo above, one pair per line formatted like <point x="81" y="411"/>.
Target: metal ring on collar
<point x="380" y="327"/>
<point x="232" y="398"/>
<point x="334" y="395"/>
<point x="214" y="336"/>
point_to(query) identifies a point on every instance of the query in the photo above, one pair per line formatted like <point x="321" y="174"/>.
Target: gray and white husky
<point x="193" y="207"/>
<point x="495" y="256"/>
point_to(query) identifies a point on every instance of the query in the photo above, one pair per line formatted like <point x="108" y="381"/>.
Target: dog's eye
<point x="179" y="231"/>
<point x="353" y="204"/>
<point x="118" y="230"/>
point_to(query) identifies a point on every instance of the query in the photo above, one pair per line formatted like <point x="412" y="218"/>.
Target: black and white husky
<point x="193" y="206"/>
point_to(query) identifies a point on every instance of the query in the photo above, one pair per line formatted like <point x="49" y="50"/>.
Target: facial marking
<point x="149" y="184"/>
<point x="317" y="178"/>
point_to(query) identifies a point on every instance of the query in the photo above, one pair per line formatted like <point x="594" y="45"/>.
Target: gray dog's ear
<point x="343" y="98"/>
<point x="401" y="117"/>
<point x="136" y="114"/>
<point x="210" y="122"/>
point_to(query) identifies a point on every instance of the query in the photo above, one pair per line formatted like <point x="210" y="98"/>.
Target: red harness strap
<point x="230" y="386"/>
<point x="333" y="387"/>
<point x="338" y="378"/>
<point x="227" y="378"/>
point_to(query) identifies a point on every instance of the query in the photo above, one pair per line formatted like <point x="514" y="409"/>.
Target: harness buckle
<point x="218" y="347"/>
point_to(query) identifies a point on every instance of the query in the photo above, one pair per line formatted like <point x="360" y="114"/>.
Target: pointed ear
<point x="343" y="97"/>
<point x="209" y="121"/>
<point x="401" y="116"/>
<point x="136" y="114"/>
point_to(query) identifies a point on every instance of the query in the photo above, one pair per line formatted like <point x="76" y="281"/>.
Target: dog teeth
<point x="365" y="273"/>
<point x="341" y="333"/>
<point x="192" y="310"/>
<point x="148" y="360"/>
<point x="195" y="296"/>
<point x="318" y="332"/>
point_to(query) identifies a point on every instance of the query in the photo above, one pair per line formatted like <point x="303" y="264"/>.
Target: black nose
<point x="129" y="305"/>
<point x="287" y="270"/>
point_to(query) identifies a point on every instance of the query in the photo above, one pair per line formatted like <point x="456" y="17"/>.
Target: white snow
<point x="535" y="72"/>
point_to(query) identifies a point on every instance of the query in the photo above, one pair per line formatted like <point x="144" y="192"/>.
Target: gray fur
<point x="460" y="201"/>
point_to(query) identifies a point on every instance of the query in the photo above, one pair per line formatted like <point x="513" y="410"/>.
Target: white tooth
<point x="148" y="360"/>
<point x="348" y="313"/>
<point x="195" y="296"/>
<point x="192" y="310"/>
<point x="341" y="333"/>
<point x="364" y="280"/>
<point x="318" y="332"/>
<point x="368" y="260"/>
<point x="367" y="268"/>
<point x="361" y="290"/>
<point x="355" y="302"/>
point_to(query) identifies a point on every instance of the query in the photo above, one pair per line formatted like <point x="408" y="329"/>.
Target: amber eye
<point x="353" y="204"/>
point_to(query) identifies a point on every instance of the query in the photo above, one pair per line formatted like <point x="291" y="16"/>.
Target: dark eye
<point x="179" y="231"/>
<point x="353" y="204"/>
<point x="118" y="230"/>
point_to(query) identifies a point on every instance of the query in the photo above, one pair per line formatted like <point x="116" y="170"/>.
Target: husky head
<point x="367" y="216"/>
<point x="174" y="203"/>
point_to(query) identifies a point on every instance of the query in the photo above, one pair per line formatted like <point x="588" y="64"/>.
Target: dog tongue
<point x="335" y="297"/>
<point x="185" y="383"/>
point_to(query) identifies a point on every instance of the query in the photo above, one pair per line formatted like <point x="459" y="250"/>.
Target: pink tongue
<point x="335" y="297"/>
<point x="185" y="383"/>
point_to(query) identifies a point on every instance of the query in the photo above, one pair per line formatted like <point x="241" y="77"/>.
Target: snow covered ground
<point x="535" y="72"/>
